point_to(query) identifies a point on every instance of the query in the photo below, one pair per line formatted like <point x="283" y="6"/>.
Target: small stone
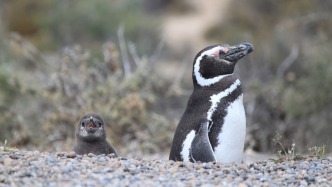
<point x="311" y="179"/>
<point x="262" y="179"/>
<point x="13" y="157"/>
<point x="7" y="161"/>
<point x="314" y="158"/>
<point x="226" y="171"/>
<point x="91" y="155"/>
<point x="171" y="162"/>
<point x="2" y="179"/>
<point x="112" y="155"/>
<point x="242" y="185"/>
<point x="60" y="154"/>
<point x="189" y="165"/>
<point x="303" y="183"/>
<point x="305" y="165"/>
<point x="198" y="166"/>
<point x="108" y="169"/>
<point x="179" y="164"/>
<point x="71" y="154"/>
<point x="207" y="166"/>
<point x="325" y="161"/>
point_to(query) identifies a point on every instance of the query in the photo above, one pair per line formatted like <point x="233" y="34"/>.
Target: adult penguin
<point x="213" y="126"/>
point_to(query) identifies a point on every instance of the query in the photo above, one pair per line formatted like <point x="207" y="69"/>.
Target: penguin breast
<point x="231" y="139"/>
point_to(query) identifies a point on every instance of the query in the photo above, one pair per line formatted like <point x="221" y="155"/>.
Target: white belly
<point x="231" y="139"/>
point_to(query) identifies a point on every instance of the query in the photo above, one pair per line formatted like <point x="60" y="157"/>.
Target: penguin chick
<point x="91" y="136"/>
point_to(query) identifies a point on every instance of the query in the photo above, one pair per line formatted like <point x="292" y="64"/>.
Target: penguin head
<point x="91" y="127"/>
<point x="216" y="61"/>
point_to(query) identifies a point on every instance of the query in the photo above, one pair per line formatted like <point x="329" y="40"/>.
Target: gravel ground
<point x="33" y="168"/>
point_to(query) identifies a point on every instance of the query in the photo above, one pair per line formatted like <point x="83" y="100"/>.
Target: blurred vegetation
<point x="60" y="59"/>
<point x="289" y="84"/>
<point x="108" y="77"/>
<point x="55" y="23"/>
<point x="66" y="86"/>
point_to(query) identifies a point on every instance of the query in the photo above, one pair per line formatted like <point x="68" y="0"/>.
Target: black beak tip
<point x="249" y="47"/>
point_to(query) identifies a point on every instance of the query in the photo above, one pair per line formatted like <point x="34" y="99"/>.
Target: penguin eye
<point x="221" y="52"/>
<point x="82" y="124"/>
<point x="99" y="123"/>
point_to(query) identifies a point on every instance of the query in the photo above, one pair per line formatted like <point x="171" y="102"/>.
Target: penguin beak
<point x="235" y="53"/>
<point x="91" y="124"/>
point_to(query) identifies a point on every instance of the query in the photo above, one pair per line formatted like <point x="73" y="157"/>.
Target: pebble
<point x="112" y="155"/>
<point x="33" y="168"/>
<point x="71" y="154"/>
<point x="7" y="161"/>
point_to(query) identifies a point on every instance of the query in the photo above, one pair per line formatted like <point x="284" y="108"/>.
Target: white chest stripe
<point x="186" y="146"/>
<point x="201" y="80"/>
<point x="215" y="99"/>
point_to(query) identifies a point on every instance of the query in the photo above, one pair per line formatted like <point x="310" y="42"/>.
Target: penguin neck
<point x="221" y="82"/>
<point x="205" y="82"/>
<point x="91" y="141"/>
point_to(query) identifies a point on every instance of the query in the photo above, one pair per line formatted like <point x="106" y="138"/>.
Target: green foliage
<point x="21" y="16"/>
<point x="5" y="147"/>
<point x="7" y="91"/>
<point x="318" y="152"/>
<point x="84" y="21"/>
<point x="286" y="153"/>
<point x="54" y="23"/>
<point x="311" y="93"/>
<point x="289" y="83"/>
<point x="44" y="95"/>
<point x="75" y="83"/>
<point x="12" y="127"/>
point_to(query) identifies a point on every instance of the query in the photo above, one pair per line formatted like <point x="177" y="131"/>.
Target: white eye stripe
<point x="200" y="79"/>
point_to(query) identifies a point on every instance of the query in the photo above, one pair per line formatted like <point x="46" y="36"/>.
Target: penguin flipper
<point x="201" y="149"/>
